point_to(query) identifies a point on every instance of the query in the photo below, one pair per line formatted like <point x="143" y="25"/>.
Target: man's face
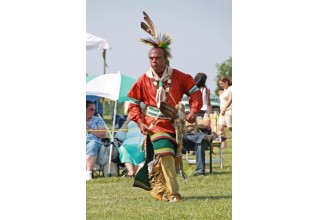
<point x="157" y="60"/>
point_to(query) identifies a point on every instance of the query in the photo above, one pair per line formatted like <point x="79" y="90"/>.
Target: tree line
<point x="224" y="69"/>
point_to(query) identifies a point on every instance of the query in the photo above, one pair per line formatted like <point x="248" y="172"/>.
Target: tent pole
<point x="104" y="54"/>
<point x="112" y="137"/>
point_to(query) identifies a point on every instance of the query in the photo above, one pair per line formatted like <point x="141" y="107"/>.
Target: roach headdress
<point x="157" y="40"/>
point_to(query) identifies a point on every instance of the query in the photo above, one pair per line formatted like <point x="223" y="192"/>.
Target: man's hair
<point x="200" y="80"/>
<point x="165" y="55"/>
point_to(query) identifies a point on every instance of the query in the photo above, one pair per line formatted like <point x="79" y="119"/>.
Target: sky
<point x="201" y="31"/>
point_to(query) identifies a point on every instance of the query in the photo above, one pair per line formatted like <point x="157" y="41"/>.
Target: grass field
<point x="204" y="197"/>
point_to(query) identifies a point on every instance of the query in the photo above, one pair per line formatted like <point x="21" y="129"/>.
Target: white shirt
<point x="224" y="98"/>
<point x="204" y="99"/>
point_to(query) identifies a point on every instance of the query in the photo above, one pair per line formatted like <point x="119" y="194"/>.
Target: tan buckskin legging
<point x="165" y="177"/>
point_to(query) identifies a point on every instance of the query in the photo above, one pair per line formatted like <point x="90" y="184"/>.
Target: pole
<point x="104" y="55"/>
<point x="112" y="137"/>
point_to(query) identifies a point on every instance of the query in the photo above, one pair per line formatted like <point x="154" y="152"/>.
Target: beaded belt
<point x="154" y="112"/>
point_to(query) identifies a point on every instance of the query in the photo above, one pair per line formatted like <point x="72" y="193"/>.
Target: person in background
<point x="200" y="80"/>
<point x="130" y="151"/>
<point x="198" y="137"/>
<point x="93" y="142"/>
<point x="225" y="119"/>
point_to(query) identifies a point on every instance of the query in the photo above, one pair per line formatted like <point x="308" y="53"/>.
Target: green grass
<point x="203" y="197"/>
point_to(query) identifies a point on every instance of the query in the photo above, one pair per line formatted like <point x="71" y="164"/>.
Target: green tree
<point x="224" y="69"/>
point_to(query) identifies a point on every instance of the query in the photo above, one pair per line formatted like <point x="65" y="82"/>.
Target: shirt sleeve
<point x="121" y="135"/>
<point x="135" y="95"/>
<point x="100" y="123"/>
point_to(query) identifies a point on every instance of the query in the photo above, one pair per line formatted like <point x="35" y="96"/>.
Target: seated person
<point x="198" y="137"/>
<point x="93" y="137"/>
<point x="130" y="151"/>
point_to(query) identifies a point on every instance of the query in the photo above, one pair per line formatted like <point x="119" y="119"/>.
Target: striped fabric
<point x="164" y="144"/>
<point x="156" y="142"/>
<point x="153" y="112"/>
<point x="134" y="101"/>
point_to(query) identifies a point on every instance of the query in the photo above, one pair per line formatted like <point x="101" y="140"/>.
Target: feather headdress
<point x="163" y="41"/>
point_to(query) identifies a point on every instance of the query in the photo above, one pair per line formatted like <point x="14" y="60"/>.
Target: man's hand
<point x="144" y="128"/>
<point x="191" y="117"/>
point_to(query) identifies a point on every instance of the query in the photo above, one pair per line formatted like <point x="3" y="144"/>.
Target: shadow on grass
<point x="223" y="153"/>
<point x="215" y="167"/>
<point x="221" y="173"/>
<point x="216" y="173"/>
<point x="206" y="197"/>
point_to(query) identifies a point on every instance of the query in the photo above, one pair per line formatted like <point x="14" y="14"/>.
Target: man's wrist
<point x="139" y="121"/>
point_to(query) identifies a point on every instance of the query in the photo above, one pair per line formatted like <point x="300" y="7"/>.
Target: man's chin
<point x="157" y="70"/>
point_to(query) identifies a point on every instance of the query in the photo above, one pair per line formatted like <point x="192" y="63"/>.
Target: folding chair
<point x="97" y="171"/>
<point x="189" y="146"/>
<point x="102" y="171"/>
<point x="98" y="167"/>
<point x="120" y="166"/>
<point x="101" y="166"/>
<point x="214" y="119"/>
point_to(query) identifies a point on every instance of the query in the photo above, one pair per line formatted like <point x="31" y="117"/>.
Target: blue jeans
<point x="196" y="142"/>
<point x="93" y="148"/>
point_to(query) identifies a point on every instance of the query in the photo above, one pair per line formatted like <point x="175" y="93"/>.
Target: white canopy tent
<point x="94" y="43"/>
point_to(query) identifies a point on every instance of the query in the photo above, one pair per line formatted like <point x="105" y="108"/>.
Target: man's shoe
<point x="174" y="198"/>
<point x="159" y="197"/>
